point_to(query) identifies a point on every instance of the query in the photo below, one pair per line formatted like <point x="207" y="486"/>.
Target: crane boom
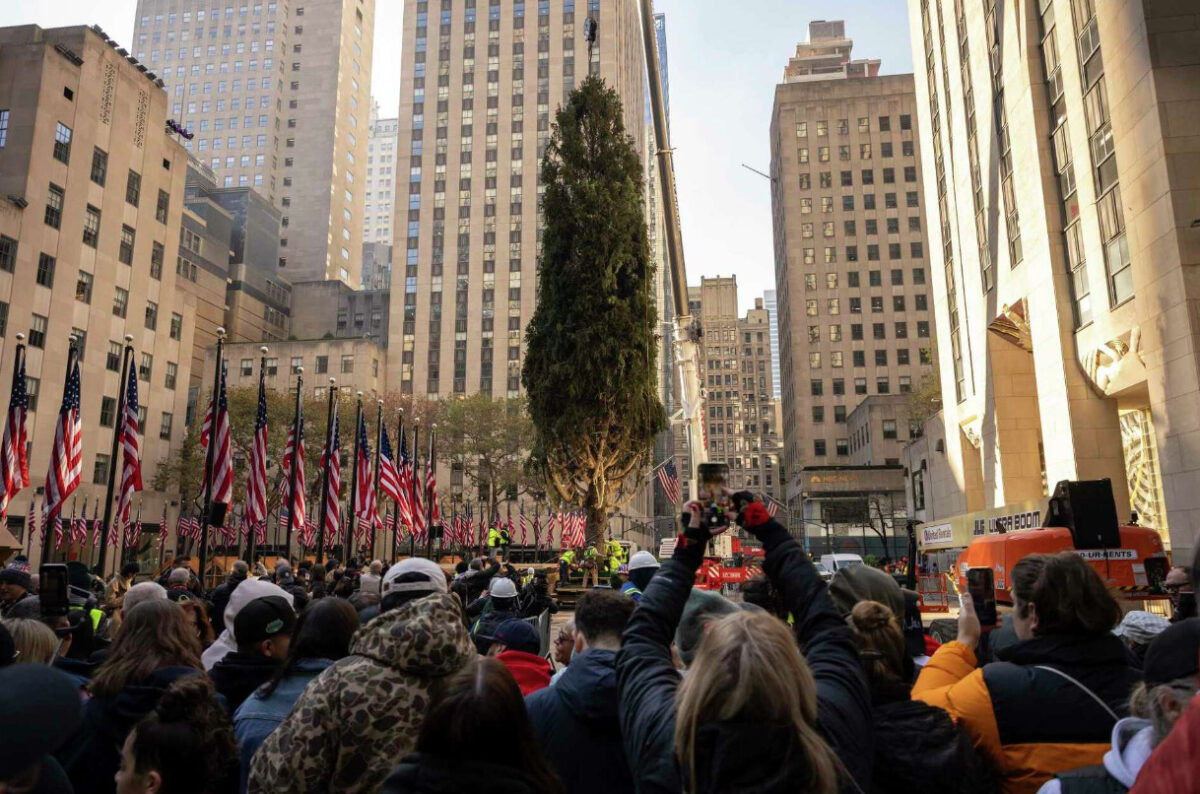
<point x="687" y="328"/>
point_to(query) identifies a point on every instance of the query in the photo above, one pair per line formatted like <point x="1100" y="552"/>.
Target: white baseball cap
<point x="428" y="568"/>
<point x="642" y="559"/>
<point x="502" y="588"/>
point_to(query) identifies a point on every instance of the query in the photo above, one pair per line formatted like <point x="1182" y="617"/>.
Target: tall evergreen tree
<point x="590" y="362"/>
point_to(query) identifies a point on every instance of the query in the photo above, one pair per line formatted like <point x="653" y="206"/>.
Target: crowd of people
<point x="362" y="678"/>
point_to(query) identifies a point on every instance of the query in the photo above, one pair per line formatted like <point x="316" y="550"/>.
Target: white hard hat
<point x="502" y="588"/>
<point x="642" y="559"/>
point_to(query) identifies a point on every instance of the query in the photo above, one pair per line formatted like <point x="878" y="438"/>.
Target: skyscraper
<point x="381" y="179"/>
<point x="277" y="96"/>
<point x="771" y="304"/>
<point x="1066" y="230"/>
<point x="855" y="315"/>
<point x="465" y="258"/>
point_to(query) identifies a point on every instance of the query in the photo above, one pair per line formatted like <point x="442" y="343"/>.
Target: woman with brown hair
<point x="480" y="707"/>
<point x="195" y="615"/>
<point x="917" y="747"/>
<point x="154" y="648"/>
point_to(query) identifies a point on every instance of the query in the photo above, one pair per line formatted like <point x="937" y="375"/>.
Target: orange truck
<point x="1135" y="569"/>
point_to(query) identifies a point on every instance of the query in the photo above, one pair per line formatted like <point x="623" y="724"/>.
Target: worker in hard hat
<point x="642" y="567"/>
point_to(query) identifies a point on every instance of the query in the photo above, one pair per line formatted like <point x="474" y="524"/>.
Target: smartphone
<point x="52" y="590"/>
<point x="713" y="477"/>
<point x="981" y="584"/>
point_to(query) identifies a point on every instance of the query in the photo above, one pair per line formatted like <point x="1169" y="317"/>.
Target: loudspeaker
<point x="1087" y="508"/>
<point x="216" y="514"/>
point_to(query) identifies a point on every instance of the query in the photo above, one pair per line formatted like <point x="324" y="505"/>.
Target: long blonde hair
<point x="34" y="640"/>
<point x="748" y="669"/>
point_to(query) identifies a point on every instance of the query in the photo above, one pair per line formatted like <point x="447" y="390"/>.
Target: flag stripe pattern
<point x="389" y="478"/>
<point x="256" y="483"/>
<point x="331" y="462"/>
<point x="14" y="462"/>
<point x="668" y="478"/>
<point x="222" y="461"/>
<point x="404" y="473"/>
<point x="365" y="507"/>
<point x="127" y="441"/>
<point x="66" y="457"/>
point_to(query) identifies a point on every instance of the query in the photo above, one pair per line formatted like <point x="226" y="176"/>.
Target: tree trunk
<point x="597" y="527"/>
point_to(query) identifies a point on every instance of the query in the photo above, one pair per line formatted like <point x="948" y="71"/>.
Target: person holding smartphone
<point x="1049" y="704"/>
<point x="752" y="712"/>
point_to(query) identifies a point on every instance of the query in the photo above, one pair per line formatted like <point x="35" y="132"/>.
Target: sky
<point x="725" y="60"/>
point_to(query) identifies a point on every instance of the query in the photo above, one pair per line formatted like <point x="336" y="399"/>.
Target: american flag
<point x="66" y="457"/>
<point x="294" y="506"/>
<point x="418" y="500"/>
<point x="524" y="527"/>
<point x="579" y="529"/>
<point x="162" y="528"/>
<point x="772" y="506"/>
<point x="404" y="474"/>
<point x="435" y="512"/>
<point x="331" y="462"/>
<point x="58" y="530"/>
<point x="389" y="477"/>
<point x="97" y="524"/>
<point x="365" y="505"/>
<point x="222" y="460"/>
<point x="31" y="526"/>
<point x="133" y="532"/>
<point x="668" y="478"/>
<point x="127" y="441"/>
<point x="76" y="531"/>
<point x="13" y="459"/>
<point x="256" y="482"/>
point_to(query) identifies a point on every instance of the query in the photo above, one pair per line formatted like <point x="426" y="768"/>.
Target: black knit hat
<point x="1173" y="653"/>
<point x="48" y="705"/>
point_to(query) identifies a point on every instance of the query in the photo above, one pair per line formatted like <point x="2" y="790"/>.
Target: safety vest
<point x="616" y="550"/>
<point x="493" y="537"/>
<point x="590" y="553"/>
<point x="504" y="537"/>
<point x="567" y="556"/>
<point x="631" y="590"/>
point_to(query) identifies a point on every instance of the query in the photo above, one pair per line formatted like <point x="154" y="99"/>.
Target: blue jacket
<point x="578" y="715"/>
<point x="257" y="717"/>
<point x="631" y="590"/>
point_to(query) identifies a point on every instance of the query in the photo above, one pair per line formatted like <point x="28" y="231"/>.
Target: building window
<point x="176" y="326"/>
<point x="125" y="253"/>
<point x="99" y="166"/>
<point x="860" y="385"/>
<point x="151" y="315"/>
<point x="108" y="411"/>
<point x="247" y="367"/>
<point x="62" y="142"/>
<point x="163" y="207"/>
<point x="37" y="331"/>
<point x="100" y="470"/>
<point x="819" y="447"/>
<point x="157" y="253"/>
<point x="842" y="446"/>
<point x="112" y="360"/>
<point x="172" y="375"/>
<point x="54" y="205"/>
<point x="889" y="429"/>
<point x="120" y="302"/>
<point x="91" y="226"/>
<point x="322" y="365"/>
<point x="133" y="188"/>
<point x="32" y="389"/>
<point x="882" y="386"/>
<point x="146" y="368"/>
<point x="347" y="364"/>
<point x="45" y="270"/>
<point x="8" y="253"/>
<point x="83" y="287"/>
<point x="816" y="387"/>
<point x="3" y="128"/>
<point x="297" y="363"/>
<point x="164" y="427"/>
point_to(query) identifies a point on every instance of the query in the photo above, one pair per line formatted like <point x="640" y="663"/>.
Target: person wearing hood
<point x="480" y="708"/>
<point x="246" y="592"/>
<point x="43" y="707"/>
<point x="578" y="715"/>
<point x="857" y="583"/>
<point x="287" y="582"/>
<point x="322" y="636"/>
<point x="1157" y="702"/>
<point x="502" y="604"/>
<point x="1051" y="701"/>
<point x="917" y="747"/>
<point x="752" y="714"/>
<point x="153" y="649"/>
<point x="642" y="567"/>
<point x="238" y="573"/>
<point x="15" y="587"/>
<point x="516" y="645"/>
<point x="347" y="729"/>
<point x="263" y="629"/>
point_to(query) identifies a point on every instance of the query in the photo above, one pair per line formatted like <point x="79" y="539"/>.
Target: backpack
<point x="919" y="749"/>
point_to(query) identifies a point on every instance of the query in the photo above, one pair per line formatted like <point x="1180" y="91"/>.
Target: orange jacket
<point x="1020" y="747"/>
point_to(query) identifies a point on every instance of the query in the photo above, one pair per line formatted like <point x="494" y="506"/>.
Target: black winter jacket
<point x="237" y="675"/>
<point x="742" y="758"/>
<point x="576" y="719"/>
<point x="219" y="598"/>
<point x="419" y="773"/>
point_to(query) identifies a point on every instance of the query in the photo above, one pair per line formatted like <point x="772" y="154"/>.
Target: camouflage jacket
<point x="357" y="719"/>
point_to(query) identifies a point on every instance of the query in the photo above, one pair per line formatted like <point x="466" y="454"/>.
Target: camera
<point x="713" y="477"/>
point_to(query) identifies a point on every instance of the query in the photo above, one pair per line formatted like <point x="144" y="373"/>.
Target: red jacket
<point x="1174" y="766"/>
<point x="531" y="671"/>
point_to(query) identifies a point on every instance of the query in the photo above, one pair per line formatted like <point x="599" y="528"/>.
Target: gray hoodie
<point x="1132" y="743"/>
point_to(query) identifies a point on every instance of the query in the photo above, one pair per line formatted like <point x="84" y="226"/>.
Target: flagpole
<point x="47" y="542"/>
<point x="416" y="478"/>
<point x="378" y="447"/>
<point x="429" y="497"/>
<point x="396" y="512"/>
<point x="352" y="525"/>
<point x="251" y="541"/>
<point x="126" y="357"/>
<point x="208" y="459"/>
<point x="297" y="422"/>
<point x="325" y="472"/>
